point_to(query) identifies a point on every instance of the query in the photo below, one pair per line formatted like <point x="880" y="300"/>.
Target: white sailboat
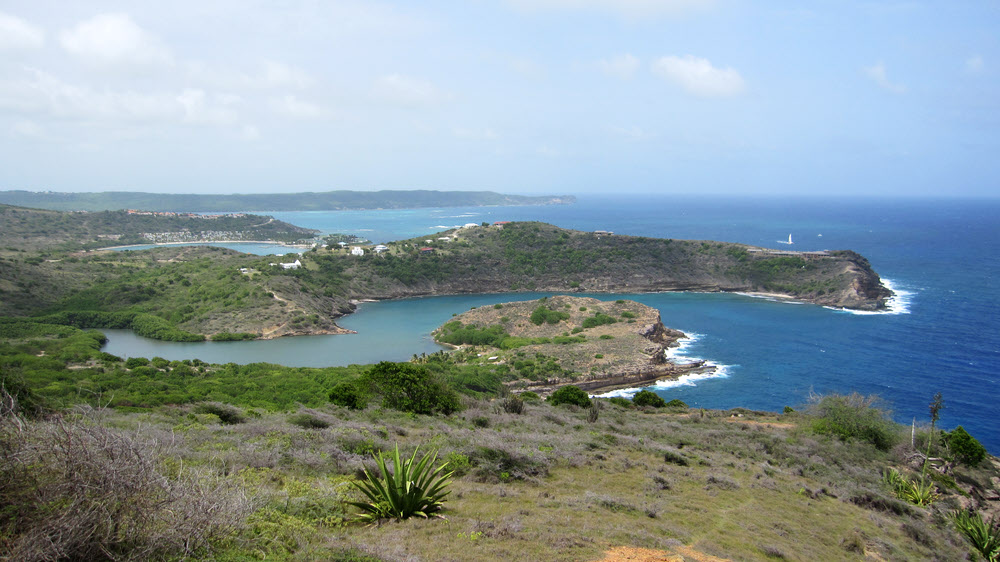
<point x="789" y="240"/>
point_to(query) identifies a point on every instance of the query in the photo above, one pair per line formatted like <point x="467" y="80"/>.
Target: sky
<point x="517" y="96"/>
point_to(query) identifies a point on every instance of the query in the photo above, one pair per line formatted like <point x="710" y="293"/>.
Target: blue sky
<point x="516" y="96"/>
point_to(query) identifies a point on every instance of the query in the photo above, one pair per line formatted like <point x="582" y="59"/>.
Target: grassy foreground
<point x="549" y="483"/>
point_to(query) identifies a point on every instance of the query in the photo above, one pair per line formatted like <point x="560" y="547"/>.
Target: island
<point x="554" y="341"/>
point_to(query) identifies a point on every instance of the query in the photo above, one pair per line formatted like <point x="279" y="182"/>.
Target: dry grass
<point x="546" y="484"/>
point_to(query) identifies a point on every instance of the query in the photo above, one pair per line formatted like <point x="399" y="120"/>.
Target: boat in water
<point x="788" y="242"/>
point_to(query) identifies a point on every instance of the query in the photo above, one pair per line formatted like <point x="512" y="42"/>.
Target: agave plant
<point x="411" y="488"/>
<point x="984" y="536"/>
<point x="917" y="492"/>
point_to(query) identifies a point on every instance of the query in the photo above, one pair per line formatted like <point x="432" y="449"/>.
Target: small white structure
<point x="294" y="265"/>
<point x="381" y="248"/>
<point x="357" y="251"/>
<point x="445" y="239"/>
<point x="470" y="225"/>
<point x="342" y="244"/>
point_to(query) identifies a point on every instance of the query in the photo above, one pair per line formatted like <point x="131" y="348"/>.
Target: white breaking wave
<point x="713" y="370"/>
<point x="445" y="227"/>
<point x="898" y="303"/>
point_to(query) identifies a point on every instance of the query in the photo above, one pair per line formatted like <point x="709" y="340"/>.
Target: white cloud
<point x="406" y="90"/>
<point x="634" y="133"/>
<point x="877" y="74"/>
<point x="292" y="106"/>
<point x="114" y="39"/>
<point x="630" y="9"/>
<point x="15" y="33"/>
<point x="697" y="76"/>
<point x="622" y="66"/>
<point x="249" y="133"/>
<point x="974" y="64"/>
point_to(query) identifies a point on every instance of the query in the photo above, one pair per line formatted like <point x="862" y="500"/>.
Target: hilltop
<point x="309" y="201"/>
<point x="595" y="344"/>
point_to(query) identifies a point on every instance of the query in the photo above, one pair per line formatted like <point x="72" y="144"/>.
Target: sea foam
<point x="898" y="303"/>
<point x="678" y="355"/>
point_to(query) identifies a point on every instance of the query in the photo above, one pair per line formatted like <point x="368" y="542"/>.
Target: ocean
<point x="941" y="334"/>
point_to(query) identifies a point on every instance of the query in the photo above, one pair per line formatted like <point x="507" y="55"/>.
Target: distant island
<point x="307" y="201"/>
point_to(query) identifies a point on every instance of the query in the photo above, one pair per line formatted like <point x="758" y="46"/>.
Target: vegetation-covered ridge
<point x="37" y="229"/>
<point x="309" y="201"/>
<point x="212" y="291"/>
<point x="550" y="342"/>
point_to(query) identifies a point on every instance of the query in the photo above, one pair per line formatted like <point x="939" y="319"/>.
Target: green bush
<point x="677" y="403"/>
<point x="134" y="362"/>
<point x="620" y="401"/>
<point x="648" y="398"/>
<point x="308" y="421"/>
<point x="984" y="536"/>
<point x="964" y="447"/>
<point x="544" y="315"/>
<point x="512" y="405"/>
<point x="855" y="417"/>
<point x="410" y="388"/>
<point x="349" y="395"/>
<point x="570" y="394"/>
<point x="227" y="414"/>
<point x="529" y="396"/>
<point x="598" y="319"/>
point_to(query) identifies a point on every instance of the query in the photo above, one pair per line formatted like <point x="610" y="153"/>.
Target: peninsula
<point x="189" y="292"/>
<point x="593" y="344"/>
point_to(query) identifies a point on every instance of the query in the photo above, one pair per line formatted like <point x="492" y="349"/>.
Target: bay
<point x="940" y="255"/>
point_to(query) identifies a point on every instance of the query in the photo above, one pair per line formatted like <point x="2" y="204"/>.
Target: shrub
<point x="481" y="421"/>
<point x="620" y="401"/>
<point x="648" y="398"/>
<point x="227" y="414"/>
<point x="676" y="403"/>
<point x="964" y="447"/>
<point x="134" y="362"/>
<point x="410" y="388"/>
<point x="570" y="394"/>
<point x="855" y="417"/>
<point x="76" y="490"/>
<point x="529" y="396"/>
<point x="308" y="421"/>
<point x="512" y="405"/>
<point x="349" y="395"/>
<point x="598" y="319"/>
<point x="917" y="492"/>
<point x="413" y="487"/>
<point x="544" y="315"/>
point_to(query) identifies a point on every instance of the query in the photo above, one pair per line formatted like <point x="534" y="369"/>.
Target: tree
<point x="569" y="394"/>
<point x="964" y="447"/>
<point x="410" y="388"/>
<point x="648" y="398"/>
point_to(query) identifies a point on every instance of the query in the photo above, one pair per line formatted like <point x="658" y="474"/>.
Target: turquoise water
<point x="259" y="248"/>
<point x="943" y="334"/>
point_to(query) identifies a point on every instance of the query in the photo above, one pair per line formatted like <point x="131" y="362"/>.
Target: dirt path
<point x="675" y="554"/>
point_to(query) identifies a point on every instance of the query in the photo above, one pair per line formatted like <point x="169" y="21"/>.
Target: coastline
<point x="206" y="242"/>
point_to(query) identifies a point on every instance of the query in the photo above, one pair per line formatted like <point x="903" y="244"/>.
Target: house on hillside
<point x="357" y="251"/>
<point x="426" y="250"/>
<point x="381" y="248"/>
<point x="294" y="265"/>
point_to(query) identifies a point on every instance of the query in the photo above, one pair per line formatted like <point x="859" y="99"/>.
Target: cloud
<point x="697" y="76"/>
<point x="15" y="33"/>
<point x="974" y="64"/>
<point x="29" y="129"/>
<point x="114" y="39"/>
<point x="630" y="9"/>
<point x="201" y="108"/>
<point x="622" y="66"/>
<point x="877" y="75"/>
<point x="406" y="90"/>
<point x="633" y="133"/>
<point x="249" y="133"/>
<point x="292" y="106"/>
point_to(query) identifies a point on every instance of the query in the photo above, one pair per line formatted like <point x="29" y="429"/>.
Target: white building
<point x="357" y="251"/>
<point x="381" y="248"/>
<point x="294" y="265"/>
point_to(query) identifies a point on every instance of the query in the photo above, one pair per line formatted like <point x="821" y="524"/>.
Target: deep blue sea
<point x="942" y="334"/>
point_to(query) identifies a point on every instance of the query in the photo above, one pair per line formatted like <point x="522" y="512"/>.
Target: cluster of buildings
<point x="185" y="215"/>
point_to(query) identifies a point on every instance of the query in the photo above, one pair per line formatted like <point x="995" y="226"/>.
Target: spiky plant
<point x="917" y="492"/>
<point x="984" y="536"/>
<point x="412" y="487"/>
